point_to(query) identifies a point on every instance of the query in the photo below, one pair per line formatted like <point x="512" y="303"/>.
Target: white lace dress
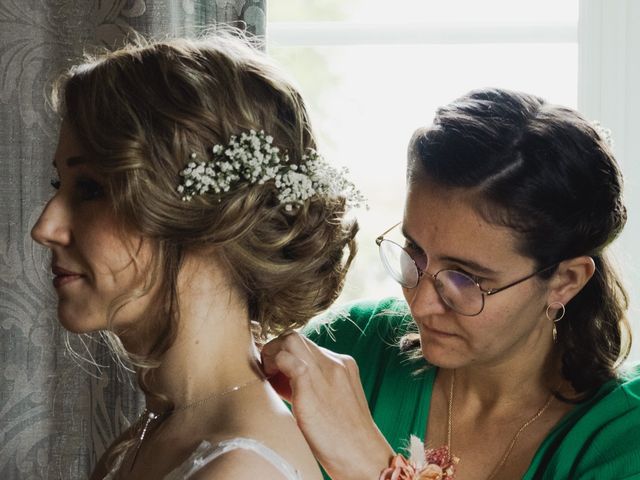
<point x="206" y="453"/>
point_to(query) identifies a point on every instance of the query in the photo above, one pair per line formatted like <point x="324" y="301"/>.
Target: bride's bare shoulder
<point x="241" y="465"/>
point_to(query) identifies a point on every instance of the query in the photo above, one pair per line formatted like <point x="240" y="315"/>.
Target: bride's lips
<point x="63" y="276"/>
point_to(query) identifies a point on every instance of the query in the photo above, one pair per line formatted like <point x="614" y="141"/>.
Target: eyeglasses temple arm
<point x="381" y="236"/>
<point x="513" y="284"/>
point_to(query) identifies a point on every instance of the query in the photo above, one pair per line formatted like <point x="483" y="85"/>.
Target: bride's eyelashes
<point x="87" y="189"/>
<point x="84" y="188"/>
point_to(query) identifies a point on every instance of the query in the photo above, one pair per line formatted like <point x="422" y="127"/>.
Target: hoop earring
<point x="557" y="319"/>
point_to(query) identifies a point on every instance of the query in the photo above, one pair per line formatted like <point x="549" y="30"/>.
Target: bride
<point x="192" y="218"/>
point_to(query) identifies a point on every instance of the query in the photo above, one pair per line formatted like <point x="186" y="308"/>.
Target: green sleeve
<point x="598" y="440"/>
<point x="608" y="437"/>
<point x="356" y="326"/>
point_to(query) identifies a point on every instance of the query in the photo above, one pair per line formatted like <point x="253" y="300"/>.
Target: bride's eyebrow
<point x="71" y="161"/>
<point x="76" y="160"/>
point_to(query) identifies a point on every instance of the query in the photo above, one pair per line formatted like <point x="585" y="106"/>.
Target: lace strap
<point x="206" y="453"/>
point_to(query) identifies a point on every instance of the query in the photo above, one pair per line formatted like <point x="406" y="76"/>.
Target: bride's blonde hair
<point x="140" y="112"/>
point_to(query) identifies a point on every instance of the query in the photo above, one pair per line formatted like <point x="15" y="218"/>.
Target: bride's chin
<point x="76" y="326"/>
<point x="77" y="322"/>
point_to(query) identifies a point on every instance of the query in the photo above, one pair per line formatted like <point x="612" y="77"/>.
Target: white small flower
<point x="605" y="133"/>
<point x="251" y="158"/>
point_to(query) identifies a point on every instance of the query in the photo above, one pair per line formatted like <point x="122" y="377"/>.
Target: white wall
<point x="609" y="91"/>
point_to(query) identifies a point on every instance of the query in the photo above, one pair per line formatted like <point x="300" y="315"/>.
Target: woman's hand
<point x="329" y="405"/>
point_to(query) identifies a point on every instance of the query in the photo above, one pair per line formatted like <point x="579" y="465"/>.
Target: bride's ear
<point x="569" y="278"/>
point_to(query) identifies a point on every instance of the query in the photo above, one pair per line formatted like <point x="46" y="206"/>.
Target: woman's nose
<point x="424" y="299"/>
<point x="53" y="227"/>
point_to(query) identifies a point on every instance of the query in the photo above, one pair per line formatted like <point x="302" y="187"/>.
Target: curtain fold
<point x="62" y="397"/>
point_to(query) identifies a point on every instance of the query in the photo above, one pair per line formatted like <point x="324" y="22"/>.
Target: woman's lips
<point x="436" y="332"/>
<point x="63" y="276"/>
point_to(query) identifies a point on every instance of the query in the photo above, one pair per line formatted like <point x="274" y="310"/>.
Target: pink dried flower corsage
<point x="399" y="469"/>
<point x="423" y="464"/>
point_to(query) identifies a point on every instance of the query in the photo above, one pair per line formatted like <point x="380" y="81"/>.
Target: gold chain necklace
<point x="507" y="452"/>
<point x="150" y="416"/>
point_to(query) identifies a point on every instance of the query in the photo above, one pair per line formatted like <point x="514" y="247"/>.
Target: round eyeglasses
<point x="459" y="291"/>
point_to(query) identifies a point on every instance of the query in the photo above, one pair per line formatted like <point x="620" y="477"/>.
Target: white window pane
<point x="424" y="10"/>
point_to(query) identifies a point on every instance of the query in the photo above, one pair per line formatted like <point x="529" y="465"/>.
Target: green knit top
<point x="597" y="439"/>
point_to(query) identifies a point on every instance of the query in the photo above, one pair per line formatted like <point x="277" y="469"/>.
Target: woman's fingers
<point x="299" y="359"/>
<point x="286" y="367"/>
<point x="353" y="372"/>
<point x="329" y="405"/>
<point x="280" y="383"/>
<point x="283" y="362"/>
<point x="289" y="343"/>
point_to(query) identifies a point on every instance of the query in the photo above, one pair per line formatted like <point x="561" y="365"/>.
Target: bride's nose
<point x="53" y="228"/>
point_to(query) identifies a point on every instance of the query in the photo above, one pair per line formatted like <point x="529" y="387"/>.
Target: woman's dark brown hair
<point x="546" y="172"/>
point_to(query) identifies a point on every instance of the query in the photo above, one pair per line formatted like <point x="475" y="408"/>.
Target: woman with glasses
<point x="504" y="355"/>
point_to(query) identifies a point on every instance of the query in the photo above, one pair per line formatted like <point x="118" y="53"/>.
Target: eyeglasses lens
<point x="460" y="292"/>
<point x="399" y="264"/>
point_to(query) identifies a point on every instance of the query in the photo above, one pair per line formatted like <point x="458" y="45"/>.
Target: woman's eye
<point x="55" y="183"/>
<point x="416" y="253"/>
<point x="473" y="277"/>
<point x="411" y="247"/>
<point x="88" y="189"/>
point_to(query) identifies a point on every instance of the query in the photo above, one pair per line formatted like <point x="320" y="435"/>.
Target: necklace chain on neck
<point x="507" y="452"/>
<point x="204" y="400"/>
<point x="148" y="416"/>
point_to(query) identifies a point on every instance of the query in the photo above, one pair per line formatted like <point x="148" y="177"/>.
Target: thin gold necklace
<point x="147" y="416"/>
<point x="507" y="452"/>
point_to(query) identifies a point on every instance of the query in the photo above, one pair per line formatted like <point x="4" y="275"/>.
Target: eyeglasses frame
<point x="484" y="292"/>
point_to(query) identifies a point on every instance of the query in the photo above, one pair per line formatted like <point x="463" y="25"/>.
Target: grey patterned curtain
<point x="62" y="397"/>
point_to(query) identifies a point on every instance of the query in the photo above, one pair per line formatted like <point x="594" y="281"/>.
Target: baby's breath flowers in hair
<point x="604" y="132"/>
<point x="252" y="158"/>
